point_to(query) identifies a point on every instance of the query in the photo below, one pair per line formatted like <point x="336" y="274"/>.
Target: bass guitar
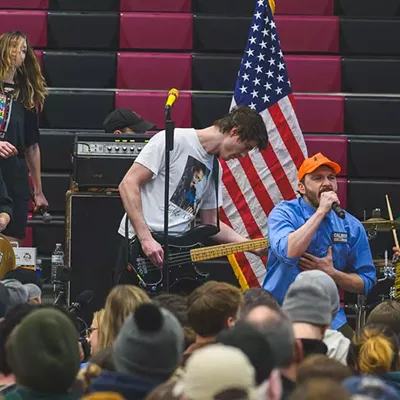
<point x="185" y="251"/>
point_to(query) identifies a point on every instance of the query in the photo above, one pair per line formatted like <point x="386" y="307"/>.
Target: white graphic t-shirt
<point x="191" y="182"/>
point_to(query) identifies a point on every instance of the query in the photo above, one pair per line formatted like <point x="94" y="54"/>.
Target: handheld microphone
<point x="338" y="210"/>
<point x="173" y="94"/>
<point x="46" y="217"/>
<point x="81" y="300"/>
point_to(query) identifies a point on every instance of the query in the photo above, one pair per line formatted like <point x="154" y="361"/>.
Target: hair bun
<point x="148" y="317"/>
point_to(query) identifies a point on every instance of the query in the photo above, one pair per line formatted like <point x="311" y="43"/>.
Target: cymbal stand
<point x="361" y="312"/>
<point x="361" y="307"/>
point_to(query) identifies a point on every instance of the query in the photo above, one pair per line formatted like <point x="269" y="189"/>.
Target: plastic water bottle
<point x="38" y="268"/>
<point x="57" y="262"/>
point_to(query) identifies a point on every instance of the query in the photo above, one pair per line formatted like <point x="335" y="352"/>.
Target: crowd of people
<point x="217" y="343"/>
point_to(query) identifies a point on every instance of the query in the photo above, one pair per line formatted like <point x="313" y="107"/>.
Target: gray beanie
<point x="150" y="343"/>
<point x="327" y="283"/>
<point x="33" y="290"/>
<point x="308" y="303"/>
<point x="18" y="293"/>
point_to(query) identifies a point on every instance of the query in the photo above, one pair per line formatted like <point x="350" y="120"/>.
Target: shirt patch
<point x="339" y="237"/>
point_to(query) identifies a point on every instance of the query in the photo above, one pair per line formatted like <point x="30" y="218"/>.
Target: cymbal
<point x="380" y="224"/>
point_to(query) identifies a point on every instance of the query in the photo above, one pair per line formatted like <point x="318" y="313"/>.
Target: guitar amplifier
<point x="101" y="160"/>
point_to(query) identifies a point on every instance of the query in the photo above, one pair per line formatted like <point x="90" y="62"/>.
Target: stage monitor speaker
<point x="92" y="221"/>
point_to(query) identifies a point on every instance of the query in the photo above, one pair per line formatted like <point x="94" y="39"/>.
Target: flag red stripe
<point x="292" y="102"/>
<point x="242" y="260"/>
<point x="278" y="174"/>
<point x="248" y="272"/>
<point x="256" y="184"/>
<point x="240" y="202"/>
<point x="286" y="132"/>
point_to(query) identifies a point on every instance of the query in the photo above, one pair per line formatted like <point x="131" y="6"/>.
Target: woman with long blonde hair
<point x="22" y="94"/>
<point x="92" y="333"/>
<point x="120" y="303"/>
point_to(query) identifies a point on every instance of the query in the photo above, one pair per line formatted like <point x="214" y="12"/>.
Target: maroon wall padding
<point x="26" y="4"/>
<point x="32" y="23"/>
<point x="308" y="34"/>
<point x="152" y="71"/>
<point x="156" y="5"/>
<point x="315" y="74"/>
<point x="333" y="147"/>
<point x="150" y="105"/>
<point x="156" y="31"/>
<point x="320" y="114"/>
<point x="309" y="7"/>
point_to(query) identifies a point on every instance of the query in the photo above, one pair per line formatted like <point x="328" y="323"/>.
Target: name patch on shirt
<point x="339" y="237"/>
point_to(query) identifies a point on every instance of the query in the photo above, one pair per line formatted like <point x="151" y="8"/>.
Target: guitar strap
<point x="215" y="173"/>
<point x="128" y="264"/>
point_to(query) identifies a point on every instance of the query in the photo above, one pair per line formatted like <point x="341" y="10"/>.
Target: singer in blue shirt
<point x="306" y="233"/>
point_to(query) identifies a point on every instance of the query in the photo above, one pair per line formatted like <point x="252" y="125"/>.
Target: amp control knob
<point x="109" y="148"/>
<point x="139" y="149"/>
<point x="132" y="149"/>
<point x="124" y="148"/>
<point x="116" y="148"/>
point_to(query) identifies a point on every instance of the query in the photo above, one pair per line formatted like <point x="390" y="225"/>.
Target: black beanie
<point x="44" y="353"/>
<point x="253" y="344"/>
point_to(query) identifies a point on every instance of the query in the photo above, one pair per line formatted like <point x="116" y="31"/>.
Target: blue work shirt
<point x="350" y="248"/>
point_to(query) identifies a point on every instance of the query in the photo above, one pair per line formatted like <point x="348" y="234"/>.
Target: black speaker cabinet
<point x="92" y="221"/>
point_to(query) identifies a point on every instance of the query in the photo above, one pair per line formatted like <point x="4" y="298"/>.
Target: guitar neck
<point x="220" y="250"/>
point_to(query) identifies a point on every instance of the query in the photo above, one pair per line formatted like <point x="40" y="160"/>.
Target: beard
<point x="313" y="196"/>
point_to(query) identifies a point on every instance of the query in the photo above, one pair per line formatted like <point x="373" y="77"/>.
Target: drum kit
<point x="388" y="269"/>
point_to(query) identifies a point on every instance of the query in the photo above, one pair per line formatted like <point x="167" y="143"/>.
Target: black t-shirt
<point x="21" y="131"/>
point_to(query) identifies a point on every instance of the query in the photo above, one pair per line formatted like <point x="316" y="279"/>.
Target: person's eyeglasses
<point x="90" y="330"/>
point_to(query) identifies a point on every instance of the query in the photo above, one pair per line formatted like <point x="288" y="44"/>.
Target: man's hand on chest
<point x="310" y="262"/>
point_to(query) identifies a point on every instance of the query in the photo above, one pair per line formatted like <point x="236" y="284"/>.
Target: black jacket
<point x="6" y="204"/>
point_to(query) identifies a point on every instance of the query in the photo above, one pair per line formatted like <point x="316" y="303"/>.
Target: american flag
<point x="254" y="184"/>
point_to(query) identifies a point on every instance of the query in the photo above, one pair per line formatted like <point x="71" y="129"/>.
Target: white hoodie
<point x="338" y="345"/>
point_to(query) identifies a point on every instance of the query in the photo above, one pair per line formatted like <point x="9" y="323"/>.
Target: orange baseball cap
<point x="312" y="163"/>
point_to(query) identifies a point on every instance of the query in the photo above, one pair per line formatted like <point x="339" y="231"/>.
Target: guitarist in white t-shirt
<point x="191" y="186"/>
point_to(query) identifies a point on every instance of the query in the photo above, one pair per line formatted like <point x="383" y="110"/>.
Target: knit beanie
<point x="254" y="345"/>
<point x="18" y="293"/>
<point x="327" y="283"/>
<point x="34" y="291"/>
<point x="215" y="369"/>
<point x="149" y="344"/>
<point x="43" y="351"/>
<point x="307" y="303"/>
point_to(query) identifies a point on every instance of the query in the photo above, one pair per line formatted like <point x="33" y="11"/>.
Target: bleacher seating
<point x="100" y="54"/>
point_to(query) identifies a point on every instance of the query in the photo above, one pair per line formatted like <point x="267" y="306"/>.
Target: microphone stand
<point x="169" y="146"/>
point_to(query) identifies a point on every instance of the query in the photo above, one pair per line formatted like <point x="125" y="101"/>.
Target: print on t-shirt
<point x="191" y="186"/>
<point x="5" y="104"/>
